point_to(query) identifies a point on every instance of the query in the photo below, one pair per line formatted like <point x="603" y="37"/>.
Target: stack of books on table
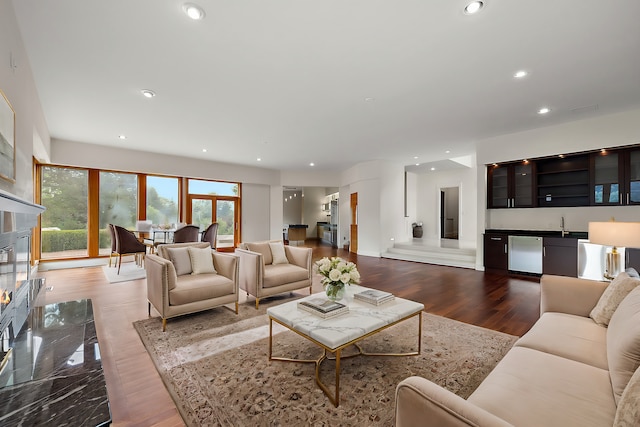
<point x="323" y="307"/>
<point x="373" y="296"/>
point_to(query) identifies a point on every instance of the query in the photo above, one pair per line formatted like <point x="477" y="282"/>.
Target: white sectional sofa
<point x="566" y="371"/>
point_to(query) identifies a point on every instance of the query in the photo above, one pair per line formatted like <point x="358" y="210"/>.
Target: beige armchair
<point x="186" y="278"/>
<point x="269" y="268"/>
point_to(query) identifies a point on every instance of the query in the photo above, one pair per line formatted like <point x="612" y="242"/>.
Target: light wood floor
<point x="136" y="392"/>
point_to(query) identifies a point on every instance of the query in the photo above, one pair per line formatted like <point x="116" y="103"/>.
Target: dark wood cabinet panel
<point x="563" y="181"/>
<point x="607" y="177"/>
<point x="495" y="252"/>
<point x="560" y="256"/>
<point x="511" y="185"/>
<point x="632" y="258"/>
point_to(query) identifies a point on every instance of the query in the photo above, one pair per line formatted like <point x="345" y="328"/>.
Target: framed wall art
<point x="7" y="140"/>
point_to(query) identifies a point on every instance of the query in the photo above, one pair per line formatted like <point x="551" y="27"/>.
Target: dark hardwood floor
<point x="136" y="392"/>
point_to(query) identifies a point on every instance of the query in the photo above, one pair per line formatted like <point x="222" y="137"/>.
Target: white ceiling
<point x="288" y="80"/>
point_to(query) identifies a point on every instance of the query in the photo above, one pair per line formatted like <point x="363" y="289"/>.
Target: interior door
<point x="203" y="210"/>
<point x="353" y="246"/>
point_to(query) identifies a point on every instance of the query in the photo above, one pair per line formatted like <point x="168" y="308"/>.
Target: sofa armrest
<point x="251" y="270"/>
<point x="160" y="275"/>
<point x="300" y="257"/>
<point x="226" y="265"/>
<point x="569" y="295"/>
<point x="421" y="403"/>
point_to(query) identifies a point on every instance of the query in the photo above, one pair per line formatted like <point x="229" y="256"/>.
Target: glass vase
<point x="335" y="292"/>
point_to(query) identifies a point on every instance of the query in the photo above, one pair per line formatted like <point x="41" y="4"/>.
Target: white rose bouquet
<point x="337" y="273"/>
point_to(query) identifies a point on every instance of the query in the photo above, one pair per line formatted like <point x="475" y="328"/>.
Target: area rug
<point x="215" y="366"/>
<point x="128" y="271"/>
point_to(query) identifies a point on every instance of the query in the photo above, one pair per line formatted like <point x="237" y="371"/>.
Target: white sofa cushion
<point x="277" y="253"/>
<point x="531" y="388"/>
<point x="181" y="260"/>
<point x="566" y="335"/>
<point x="617" y="290"/>
<point x="201" y="261"/>
<point x="623" y="342"/>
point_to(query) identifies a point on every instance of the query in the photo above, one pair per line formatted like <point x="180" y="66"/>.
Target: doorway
<point x="449" y="212"/>
<point x="203" y="210"/>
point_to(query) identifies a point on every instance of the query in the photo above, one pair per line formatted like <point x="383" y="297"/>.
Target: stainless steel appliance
<point x="525" y="254"/>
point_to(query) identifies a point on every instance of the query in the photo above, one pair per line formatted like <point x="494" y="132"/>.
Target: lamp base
<point x="613" y="265"/>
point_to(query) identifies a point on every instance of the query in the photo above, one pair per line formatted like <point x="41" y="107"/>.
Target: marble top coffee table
<point x="335" y="334"/>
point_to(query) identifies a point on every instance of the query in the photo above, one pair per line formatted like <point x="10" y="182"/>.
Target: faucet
<point x="562" y="230"/>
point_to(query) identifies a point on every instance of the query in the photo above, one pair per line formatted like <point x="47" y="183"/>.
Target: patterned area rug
<point x="216" y="368"/>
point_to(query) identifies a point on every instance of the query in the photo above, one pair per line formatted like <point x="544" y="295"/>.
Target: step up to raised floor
<point x="453" y="257"/>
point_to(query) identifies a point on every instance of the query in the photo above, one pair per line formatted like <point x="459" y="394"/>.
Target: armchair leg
<point x="119" y="263"/>
<point x="236" y="307"/>
<point x="257" y="302"/>
<point x="164" y="324"/>
<point x="149" y="309"/>
<point x="310" y="289"/>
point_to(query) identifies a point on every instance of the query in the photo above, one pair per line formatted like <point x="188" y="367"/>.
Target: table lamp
<point x="615" y="234"/>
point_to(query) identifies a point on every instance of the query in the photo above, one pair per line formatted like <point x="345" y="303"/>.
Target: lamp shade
<point x="614" y="233"/>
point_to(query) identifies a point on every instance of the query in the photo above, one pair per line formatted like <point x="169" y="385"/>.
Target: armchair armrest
<point x="161" y="277"/>
<point x="251" y="270"/>
<point x="569" y="295"/>
<point x="299" y="256"/>
<point x="421" y="403"/>
<point x="226" y="265"/>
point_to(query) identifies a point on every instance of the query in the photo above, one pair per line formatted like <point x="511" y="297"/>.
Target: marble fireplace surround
<point x="50" y="370"/>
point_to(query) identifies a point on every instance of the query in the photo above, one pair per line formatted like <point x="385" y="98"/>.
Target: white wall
<point x="31" y="132"/>
<point x="391" y="199"/>
<point x="428" y="203"/>
<point x="118" y="158"/>
<point x="256" y="213"/>
<point x="292" y="207"/>
<point x="311" y="212"/>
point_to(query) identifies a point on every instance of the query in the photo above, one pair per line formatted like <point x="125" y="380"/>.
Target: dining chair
<point x="128" y="244"/>
<point x="186" y="234"/>
<point x="211" y="235"/>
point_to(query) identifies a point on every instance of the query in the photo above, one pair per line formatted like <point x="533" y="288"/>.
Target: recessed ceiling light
<point x="544" y="110"/>
<point x="520" y="74"/>
<point x="312" y="164"/>
<point x="148" y="93"/>
<point x="447" y="152"/>
<point x="369" y="99"/>
<point x="433" y="169"/>
<point x="258" y="159"/>
<point x="122" y="137"/>
<point x="193" y="11"/>
<point x="415" y="157"/>
<point x="204" y="150"/>
<point x="417" y="164"/>
<point x="473" y="7"/>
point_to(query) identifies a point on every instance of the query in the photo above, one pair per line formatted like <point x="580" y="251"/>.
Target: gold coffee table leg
<point x="337" y="354"/>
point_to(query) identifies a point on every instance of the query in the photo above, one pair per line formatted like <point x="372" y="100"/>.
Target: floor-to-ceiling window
<point x="211" y="201"/>
<point x="118" y="204"/>
<point x="163" y="198"/>
<point x="81" y="202"/>
<point x="63" y="192"/>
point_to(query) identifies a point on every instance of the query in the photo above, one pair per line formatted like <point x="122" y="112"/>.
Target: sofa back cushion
<point x="617" y="290"/>
<point x="623" y="342"/>
<point x="181" y="260"/>
<point x="201" y="260"/>
<point x="262" y="248"/>
<point x="278" y="254"/>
